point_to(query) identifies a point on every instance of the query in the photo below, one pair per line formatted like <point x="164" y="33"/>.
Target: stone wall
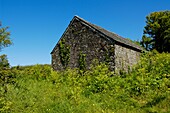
<point x="84" y="39"/>
<point x="125" y="58"/>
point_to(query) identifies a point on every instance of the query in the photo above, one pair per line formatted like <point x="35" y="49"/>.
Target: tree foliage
<point x="4" y="62"/>
<point x="5" y="40"/>
<point x="157" y="32"/>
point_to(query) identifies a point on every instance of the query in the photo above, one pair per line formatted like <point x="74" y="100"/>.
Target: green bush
<point x="4" y="62"/>
<point x="40" y="89"/>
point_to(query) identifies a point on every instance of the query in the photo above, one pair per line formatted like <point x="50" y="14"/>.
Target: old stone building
<point x="82" y="42"/>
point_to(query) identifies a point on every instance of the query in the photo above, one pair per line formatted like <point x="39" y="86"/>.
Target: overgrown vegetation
<point x="38" y="89"/>
<point x="82" y="62"/>
<point x="64" y="52"/>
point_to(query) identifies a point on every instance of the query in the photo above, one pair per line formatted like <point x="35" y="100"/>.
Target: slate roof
<point x="112" y="35"/>
<point x="107" y="33"/>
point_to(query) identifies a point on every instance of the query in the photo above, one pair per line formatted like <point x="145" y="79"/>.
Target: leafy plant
<point x="64" y="52"/>
<point x="82" y="62"/>
<point x="4" y="64"/>
<point x="38" y="88"/>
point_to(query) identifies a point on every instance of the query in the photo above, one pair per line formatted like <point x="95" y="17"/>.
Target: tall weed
<point x="40" y="89"/>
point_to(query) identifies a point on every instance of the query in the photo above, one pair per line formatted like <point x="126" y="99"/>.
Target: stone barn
<point x="82" y="42"/>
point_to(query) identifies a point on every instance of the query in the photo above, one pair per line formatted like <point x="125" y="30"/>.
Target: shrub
<point x="39" y="89"/>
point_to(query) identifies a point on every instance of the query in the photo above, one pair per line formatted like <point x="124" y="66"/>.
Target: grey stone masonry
<point x="82" y="37"/>
<point x="125" y="58"/>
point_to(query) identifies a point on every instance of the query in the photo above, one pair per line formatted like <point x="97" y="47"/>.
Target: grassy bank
<point x="38" y="89"/>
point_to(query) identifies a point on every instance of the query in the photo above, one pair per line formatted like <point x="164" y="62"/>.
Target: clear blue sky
<point x="37" y="25"/>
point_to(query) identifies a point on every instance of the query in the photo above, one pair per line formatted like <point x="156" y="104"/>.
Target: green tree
<point x="157" y="32"/>
<point x="5" y="41"/>
<point x="146" y="42"/>
<point x="4" y="62"/>
<point x="5" y="75"/>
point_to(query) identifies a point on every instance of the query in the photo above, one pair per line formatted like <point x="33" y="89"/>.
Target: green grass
<point x="38" y="89"/>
